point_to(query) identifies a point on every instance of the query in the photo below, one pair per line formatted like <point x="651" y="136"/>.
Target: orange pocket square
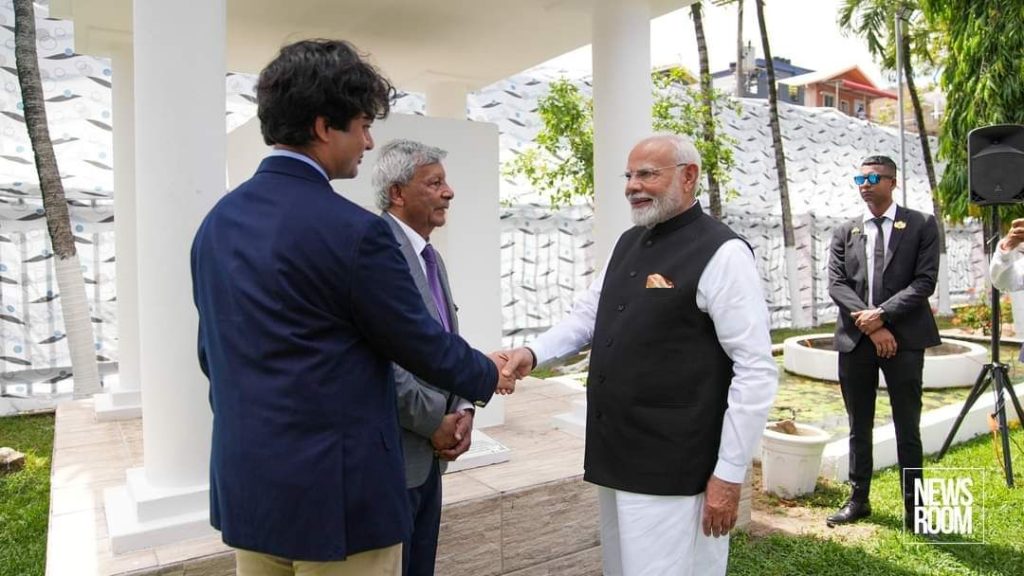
<point x="659" y="281"/>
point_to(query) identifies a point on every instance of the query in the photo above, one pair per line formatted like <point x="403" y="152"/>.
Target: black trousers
<point x="858" y="379"/>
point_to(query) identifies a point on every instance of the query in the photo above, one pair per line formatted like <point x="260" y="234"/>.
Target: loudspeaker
<point x="995" y="169"/>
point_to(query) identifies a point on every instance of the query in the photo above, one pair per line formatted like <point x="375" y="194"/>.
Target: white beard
<point x="660" y="209"/>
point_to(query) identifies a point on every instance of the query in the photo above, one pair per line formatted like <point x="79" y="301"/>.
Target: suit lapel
<point x="895" y="236"/>
<point x="413" y="260"/>
<point x="858" y="241"/>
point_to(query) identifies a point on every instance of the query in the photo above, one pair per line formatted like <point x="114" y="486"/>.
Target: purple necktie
<point x="430" y="259"/>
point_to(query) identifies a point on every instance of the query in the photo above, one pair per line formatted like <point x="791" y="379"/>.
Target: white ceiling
<point x="416" y="42"/>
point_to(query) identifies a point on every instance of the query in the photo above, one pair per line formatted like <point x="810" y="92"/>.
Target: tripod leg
<point x="1002" y="382"/>
<point x="1016" y="402"/>
<point x="972" y="397"/>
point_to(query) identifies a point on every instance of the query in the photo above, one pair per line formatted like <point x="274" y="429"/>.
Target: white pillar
<point x="124" y="401"/>
<point x="468" y="245"/>
<point x="469" y="241"/>
<point x="622" y="109"/>
<point x="179" y="160"/>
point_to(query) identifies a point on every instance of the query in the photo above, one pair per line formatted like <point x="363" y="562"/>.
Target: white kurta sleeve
<point x="1007" y="270"/>
<point x="575" y="330"/>
<point x="730" y="292"/>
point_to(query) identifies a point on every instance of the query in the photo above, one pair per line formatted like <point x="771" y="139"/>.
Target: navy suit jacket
<point x="304" y="301"/>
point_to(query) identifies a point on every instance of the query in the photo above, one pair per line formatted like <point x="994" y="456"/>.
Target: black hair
<point x="312" y="78"/>
<point x="880" y="161"/>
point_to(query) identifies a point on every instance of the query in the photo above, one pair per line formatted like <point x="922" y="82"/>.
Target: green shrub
<point x="975" y="316"/>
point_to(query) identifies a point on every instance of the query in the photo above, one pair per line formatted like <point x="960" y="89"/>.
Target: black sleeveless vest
<point x="658" y="382"/>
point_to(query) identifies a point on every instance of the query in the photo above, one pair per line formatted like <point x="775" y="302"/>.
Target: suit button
<point x="597" y="415"/>
<point x="620" y="307"/>
<point x="632" y="273"/>
<point x="649" y="243"/>
<point x="608" y="342"/>
<point x="600" y="377"/>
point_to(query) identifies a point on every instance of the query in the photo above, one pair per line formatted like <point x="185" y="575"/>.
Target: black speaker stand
<point x="994" y="373"/>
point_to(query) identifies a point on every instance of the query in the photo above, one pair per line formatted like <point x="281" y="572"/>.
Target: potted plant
<point x="791" y="457"/>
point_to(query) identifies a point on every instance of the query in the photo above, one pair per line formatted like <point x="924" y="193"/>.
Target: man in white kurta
<point x="669" y="526"/>
<point x="1007" y="266"/>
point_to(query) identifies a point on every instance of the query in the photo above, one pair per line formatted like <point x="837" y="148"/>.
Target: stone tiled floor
<point x="90" y="456"/>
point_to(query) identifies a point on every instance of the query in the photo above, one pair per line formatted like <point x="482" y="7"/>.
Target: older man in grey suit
<point x="409" y="181"/>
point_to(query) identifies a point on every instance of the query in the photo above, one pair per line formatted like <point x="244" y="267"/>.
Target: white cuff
<point x="730" y="472"/>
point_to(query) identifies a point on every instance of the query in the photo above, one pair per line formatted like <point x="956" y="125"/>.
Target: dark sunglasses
<point x="872" y="179"/>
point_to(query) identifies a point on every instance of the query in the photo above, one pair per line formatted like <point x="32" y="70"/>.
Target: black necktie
<point x="878" y="264"/>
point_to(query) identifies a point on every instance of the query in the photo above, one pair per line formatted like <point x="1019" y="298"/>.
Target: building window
<point x="794" y="93"/>
<point x="828" y="100"/>
<point x="844" y="105"/>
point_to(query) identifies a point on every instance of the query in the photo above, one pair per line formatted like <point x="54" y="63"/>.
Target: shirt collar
<point x="301" y="158"/>
<point x="415" y="240"/>
<point x="890" y="214"/>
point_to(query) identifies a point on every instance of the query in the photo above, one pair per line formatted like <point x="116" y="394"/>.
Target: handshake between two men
<point x="513" y="365"/>
<point x="453" y="436"/>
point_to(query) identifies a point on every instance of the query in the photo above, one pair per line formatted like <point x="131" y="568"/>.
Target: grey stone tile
<point x="547" y="522"/>
<point x="470" y="540"/>
<point x="216" y="565"/>
<point x="583" y="563"/>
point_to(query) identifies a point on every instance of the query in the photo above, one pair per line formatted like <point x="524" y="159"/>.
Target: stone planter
<point x="790" y="462"/>
<point x="954" y="363"/>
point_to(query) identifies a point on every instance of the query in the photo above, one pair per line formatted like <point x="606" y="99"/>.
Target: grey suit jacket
<point x="910" y="271"/>
<point x="420" y="405"/>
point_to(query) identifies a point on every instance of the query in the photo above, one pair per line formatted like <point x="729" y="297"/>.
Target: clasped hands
<point x="513" y="365"/>
<point x="870" y="323"/>
<point x="453" y="436"/>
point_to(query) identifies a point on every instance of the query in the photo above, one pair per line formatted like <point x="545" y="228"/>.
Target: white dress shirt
<point x="300" y="158"/>
<point x="871" y="235"/>
<point x="417" y="243"/>
<point x="729" y="291"/>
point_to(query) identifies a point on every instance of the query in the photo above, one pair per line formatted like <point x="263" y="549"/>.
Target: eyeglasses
<point x="871" y="178"/>
<point x="648" y="174"/>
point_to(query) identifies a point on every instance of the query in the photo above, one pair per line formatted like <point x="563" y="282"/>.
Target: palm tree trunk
<point x="792" y="273"/>
<point x="741" y="80"/>
<point x="707" y="96"/>
<point x="74" y="306"/>
<point x="945" y="306"/>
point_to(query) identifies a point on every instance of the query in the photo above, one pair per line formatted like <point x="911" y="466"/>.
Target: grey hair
<point x="686" y="152"/>
<point x="396" y="162"/>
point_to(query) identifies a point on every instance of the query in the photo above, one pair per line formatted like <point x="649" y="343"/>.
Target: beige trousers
<point x="379" y="562"/>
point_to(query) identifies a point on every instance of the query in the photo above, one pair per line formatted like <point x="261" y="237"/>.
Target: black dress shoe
<point x="850" y="512"/>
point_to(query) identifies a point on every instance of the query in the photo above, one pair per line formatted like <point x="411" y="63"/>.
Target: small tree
<point x="75" y="307"/>
<point x="983" y="79"/>
<point x="561" y="160"/>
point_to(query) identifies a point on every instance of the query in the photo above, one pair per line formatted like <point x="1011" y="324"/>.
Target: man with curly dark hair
<point x="298" y="291"/>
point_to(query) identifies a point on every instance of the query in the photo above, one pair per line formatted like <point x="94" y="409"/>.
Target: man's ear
<point x="690" y="175"/>
<point x="395" y="195"/>
<point x="320" y="128"/>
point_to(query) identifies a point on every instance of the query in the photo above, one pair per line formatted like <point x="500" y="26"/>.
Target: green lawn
<point x="891" y="552"/>
<point x="25" y="496"/>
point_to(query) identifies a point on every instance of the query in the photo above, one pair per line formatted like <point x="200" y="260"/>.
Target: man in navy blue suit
<point x="299" y="293"/>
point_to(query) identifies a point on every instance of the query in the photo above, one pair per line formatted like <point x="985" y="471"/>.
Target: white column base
<point x="140" y="515"/>
<point x="574" y="422"/>
<point x="484" y="451"/>
<point x="118" y="405"/>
